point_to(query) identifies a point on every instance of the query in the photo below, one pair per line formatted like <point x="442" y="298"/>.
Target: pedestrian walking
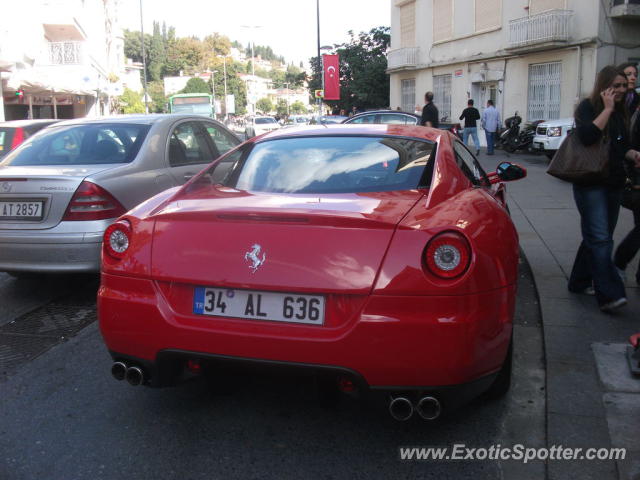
<point x="490" y="124"/>
<point x="630" y="245"/>
<point x="604" y="113"/>
<point x="470" y="115"/>
<point x="429" y="112"/>
<point x="632" y="99"/>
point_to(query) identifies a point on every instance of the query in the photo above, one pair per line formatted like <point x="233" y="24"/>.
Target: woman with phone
<point x="603" y="114"/>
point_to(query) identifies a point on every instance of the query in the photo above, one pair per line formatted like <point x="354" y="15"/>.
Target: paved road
<point x="63" y="417"/>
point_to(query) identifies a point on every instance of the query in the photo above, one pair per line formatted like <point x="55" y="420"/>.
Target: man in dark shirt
<point x="470" y="116"/>
<point x="429" y="112"/>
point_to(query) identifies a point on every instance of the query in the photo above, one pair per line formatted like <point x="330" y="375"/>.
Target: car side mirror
<point x="507" y="172"/>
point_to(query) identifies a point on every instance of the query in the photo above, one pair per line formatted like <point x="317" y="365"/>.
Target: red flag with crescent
<point x="331" y="66"/>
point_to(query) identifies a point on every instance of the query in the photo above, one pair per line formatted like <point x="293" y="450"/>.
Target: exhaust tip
<point x="401" y="409"/>
<point x="429" y="408"/>
<point x="118" y="370"/>
<point x="134" y="376"/>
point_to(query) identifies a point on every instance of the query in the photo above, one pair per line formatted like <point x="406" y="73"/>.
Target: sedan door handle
<point x="188" y="176"/>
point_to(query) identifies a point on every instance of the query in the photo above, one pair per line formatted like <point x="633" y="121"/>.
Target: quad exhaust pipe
<point x="133" y="375"/>
<point x="427" y="407"/>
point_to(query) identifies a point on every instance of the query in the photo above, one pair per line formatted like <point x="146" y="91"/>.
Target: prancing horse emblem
<point x="254" y="257"/>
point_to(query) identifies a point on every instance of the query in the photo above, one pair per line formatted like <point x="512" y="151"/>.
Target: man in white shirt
<point x="490" y="124"/>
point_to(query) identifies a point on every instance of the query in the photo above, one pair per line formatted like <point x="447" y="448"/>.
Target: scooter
<point x="508" y="137"/>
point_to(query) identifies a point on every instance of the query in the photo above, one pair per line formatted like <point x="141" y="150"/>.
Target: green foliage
<point x="282" y="108"/>
<point x="158" y="101"/>
<point x="264" y="105"/>
<point x="131" y="102"/>
<point x="196" y="85"/>
<point x="297" y="108"/>
<point x="363" y="62"/>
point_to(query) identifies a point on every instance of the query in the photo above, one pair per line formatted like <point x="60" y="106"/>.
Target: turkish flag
<point x="331" y="67"/>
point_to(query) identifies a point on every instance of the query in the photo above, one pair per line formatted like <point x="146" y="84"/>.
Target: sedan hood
<point x="327" y="243"/>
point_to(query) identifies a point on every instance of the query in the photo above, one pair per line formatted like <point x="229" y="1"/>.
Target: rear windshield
<point x="334" y="164"/>
<point x="81" y="145"/>
<point x="6" y="137"/>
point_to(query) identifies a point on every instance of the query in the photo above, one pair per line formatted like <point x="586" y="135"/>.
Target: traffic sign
<point x="319" y="93"/>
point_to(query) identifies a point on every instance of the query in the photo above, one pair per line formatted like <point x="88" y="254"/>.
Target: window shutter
<point x="539" y="6"/>
<point x="442" y="20"/>
<point x="488" y="14"/>
<point x="408" y="25"/>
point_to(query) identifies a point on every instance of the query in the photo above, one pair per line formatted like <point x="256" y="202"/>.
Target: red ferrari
<point x="381" y="257"/>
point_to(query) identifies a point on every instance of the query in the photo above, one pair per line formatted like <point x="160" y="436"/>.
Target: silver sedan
<point x="62" y="187"/>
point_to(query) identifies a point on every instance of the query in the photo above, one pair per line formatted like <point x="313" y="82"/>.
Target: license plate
<point x="17" y="210"/>
<point x="257" y="305"/>
<point x="538" y="146"/>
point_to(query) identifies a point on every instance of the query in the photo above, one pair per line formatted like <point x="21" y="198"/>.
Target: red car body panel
<point x="387" y="317"/>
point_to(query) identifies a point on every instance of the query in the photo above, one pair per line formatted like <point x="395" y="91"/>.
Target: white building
<point x="290" y="96"/>
<point x="538" y="57"/>
<point x="257" y="88"/>
<point x="65" y="56"/>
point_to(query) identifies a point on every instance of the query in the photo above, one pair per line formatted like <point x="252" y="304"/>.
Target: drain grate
<point x="33" y="333"/>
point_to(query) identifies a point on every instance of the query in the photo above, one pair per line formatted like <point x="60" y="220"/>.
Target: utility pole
<point x="319" y="100"/>
<point x="144" y="64"/>
<point x="224" y="69"/>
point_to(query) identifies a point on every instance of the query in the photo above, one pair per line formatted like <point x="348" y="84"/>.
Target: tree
<point x="157" y="54"/>
<point x="264" y="105"/>
<point x="196" y="85"/>
<point x="363" y="62"/>
<point x="158" y="99"/>
<point x="297" y="107"/>
<point x="282" y="109"/>
<point x="131" y="102"/>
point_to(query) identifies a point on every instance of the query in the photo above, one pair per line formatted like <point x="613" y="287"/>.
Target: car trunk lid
<point x="42" y="193"/>
<point x="323" y="243"/>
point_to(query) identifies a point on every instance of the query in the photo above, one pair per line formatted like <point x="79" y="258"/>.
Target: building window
<point x="442" y="96"/>
<point x="544" y="91"/>
<point x="408" y="88"/>
<point x="408" y="25"/>
<point x="488" y="14"/>
<point x="442" y="20"/>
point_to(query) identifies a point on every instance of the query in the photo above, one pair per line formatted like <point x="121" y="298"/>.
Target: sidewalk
<point x="592" y="398"/>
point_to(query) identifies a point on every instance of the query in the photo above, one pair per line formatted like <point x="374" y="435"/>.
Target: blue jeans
<point x="473" y="131"/>
<point x="629" y="246"/>
<point x="599" y="207"/>
<point x="490" y="138"/>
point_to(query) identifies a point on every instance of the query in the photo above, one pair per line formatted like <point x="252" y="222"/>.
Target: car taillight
<point x="448" y="255"/>
<point x="117" y="238"/>
<point x="92" y="202"/>
<point x="18" y="138"/>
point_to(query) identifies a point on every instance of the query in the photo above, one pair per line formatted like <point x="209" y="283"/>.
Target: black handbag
<point x="578" y="163"/>
<point x="630" y="197"/>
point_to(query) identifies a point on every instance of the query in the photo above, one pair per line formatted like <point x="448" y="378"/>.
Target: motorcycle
<point x="513" y="138"/>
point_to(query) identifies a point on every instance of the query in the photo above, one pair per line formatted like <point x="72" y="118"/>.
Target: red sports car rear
<point x="374" y="256"/>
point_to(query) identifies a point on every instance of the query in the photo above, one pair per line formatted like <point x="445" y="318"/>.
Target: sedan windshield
<point x="265" y="120"/>
<point x="81" y="145"/>
<point x="335" y="165"/>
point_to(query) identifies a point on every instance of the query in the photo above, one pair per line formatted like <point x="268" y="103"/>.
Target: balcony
<point x="547" y="28"/>
<point x="625" y="9"/>
<point x="65" y="53"/>
<point x="402" y="58"/>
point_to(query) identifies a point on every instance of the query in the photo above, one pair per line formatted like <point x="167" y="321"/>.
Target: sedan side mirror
<point x="507" y="172"/>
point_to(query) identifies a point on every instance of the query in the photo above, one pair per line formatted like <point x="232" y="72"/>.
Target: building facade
<point x="62" y="59"/>
<point x="536" y="57"/>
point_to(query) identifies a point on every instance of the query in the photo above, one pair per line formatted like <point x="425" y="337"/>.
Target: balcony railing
<point x="625" y="8"/>
<point x="402" y="58"/>
<point x="551" y="26"/>
<point x="65" y="53"/>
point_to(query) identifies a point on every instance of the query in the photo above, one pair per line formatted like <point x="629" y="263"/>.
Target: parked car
<point x="401" y="279"/>
<point x="395" y="117"/>
<point x="14" y="132"/>
<point x="327" y="119"/>
<point x="259" y="125"/>
<point x="62" y="188"/>
<point x="296" y="121"/>
<point x="550" y="135"/>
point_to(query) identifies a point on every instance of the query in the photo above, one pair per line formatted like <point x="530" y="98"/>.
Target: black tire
<point x="502" y="383"/>
<point x="508" y="147"/>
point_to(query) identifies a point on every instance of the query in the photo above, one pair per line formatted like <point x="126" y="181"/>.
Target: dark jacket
<point x="430" y="114"/>
<point x="616" y="131"/>
<point x="470" y="116"/>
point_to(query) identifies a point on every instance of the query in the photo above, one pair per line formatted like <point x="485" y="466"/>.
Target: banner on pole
<point x="331" y="66"/>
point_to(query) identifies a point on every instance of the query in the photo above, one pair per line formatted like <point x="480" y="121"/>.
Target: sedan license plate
<point x="18" y="210"/>
<point x="538" y="146"/>
<point x="258" y="305"/>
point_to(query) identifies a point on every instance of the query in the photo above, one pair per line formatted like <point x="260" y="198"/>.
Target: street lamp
<point x="213" y="91"/>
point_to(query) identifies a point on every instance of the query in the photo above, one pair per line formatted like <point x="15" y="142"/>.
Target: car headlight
<point x="554" y="131"/>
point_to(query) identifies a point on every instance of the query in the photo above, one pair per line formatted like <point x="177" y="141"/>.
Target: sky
<point x="289" y="27"/>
